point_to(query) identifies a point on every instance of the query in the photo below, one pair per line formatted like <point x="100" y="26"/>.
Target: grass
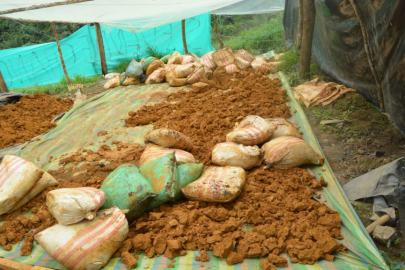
<point x="58" y="87"/>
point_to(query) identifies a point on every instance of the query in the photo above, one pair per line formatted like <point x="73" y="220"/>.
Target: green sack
<point x="147" y="62"/>
<point x="187" y="173"/>
<point x="162" y="174"/>
<point x="165" y="58"/>
<point x="126" y="188"/>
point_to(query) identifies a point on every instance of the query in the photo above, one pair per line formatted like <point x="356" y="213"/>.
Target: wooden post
<point x="308" y="23"/>
<point x="3" y="85"/>
<point x="100" y="44"/>
<point x="298" y="39"/>
<point x="42" y="6"/>
<point x="221" y="44"/>
<point x="183" y="29"/>
<point x="60" y="54"/>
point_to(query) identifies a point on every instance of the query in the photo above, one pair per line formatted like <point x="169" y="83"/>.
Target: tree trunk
<point x="100" y="44"/>
<point x="183" y="29"/>
<point x="298" y="39"/>
<point x="60" y="54"/>
<point x="3" y="85"/>
<point x="221" y="44"/>
<point x="308" y="23"/>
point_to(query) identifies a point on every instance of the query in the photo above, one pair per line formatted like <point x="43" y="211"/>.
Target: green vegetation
<point x="122" y="65"/>
<point x="155" y="51"/>
<point x="392" y="264"/>
<point x="60" y="86"/>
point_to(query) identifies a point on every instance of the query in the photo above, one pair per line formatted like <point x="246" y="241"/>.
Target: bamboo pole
<point x="221" y="44"/>
<point x="370" y="61"/>
<point x="100" y="44"/>
<point x="3" y="85"/>
<point x="183" y="29"/>
<point x="298" y="39"/>
<point x="308" y="23"/>
<point x="43" y="6"/>
<point x="60" y="54"/>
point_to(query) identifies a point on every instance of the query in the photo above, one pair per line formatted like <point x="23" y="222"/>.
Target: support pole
<point x="3" y="85"/>
<point x="60" y="54"/>
<point x="42" y="6"/>
<point x="183" y="29"/>
<point x="221" y="44"/>
<point x="298" y="39"/>
<point x="100" y="44"/>
<point x="308" y="10"/>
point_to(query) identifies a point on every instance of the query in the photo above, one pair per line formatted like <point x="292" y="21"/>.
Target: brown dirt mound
<point x="29" y="117"/>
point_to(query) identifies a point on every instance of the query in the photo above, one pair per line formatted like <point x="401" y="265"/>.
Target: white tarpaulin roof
<point x="132" y="15"/>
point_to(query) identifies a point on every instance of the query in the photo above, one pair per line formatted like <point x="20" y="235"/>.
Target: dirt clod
<point x="130" y="261"/>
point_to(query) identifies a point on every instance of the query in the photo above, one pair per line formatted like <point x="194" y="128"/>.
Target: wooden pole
<point x="308" y="23"/>
<point x="100" y="44"/>
<point x="183" y="29"/>
<point x="3" y="85"/>
<point x="221" y="44"/>
<point x="43" y="6"/>
<point x="60" y="54"/>
<point x="298" y="39"/>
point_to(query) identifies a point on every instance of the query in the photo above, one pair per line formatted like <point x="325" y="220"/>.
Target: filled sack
<point x="223" y="57"/>
<point x="187" y="173"/>
<point x="186" y="59"/>
<point x="114" y="82"/>
<point x="231" y="69"/>
<point x="182" y="71"/>
<point x="72" y="205"/>
<point x="134" y="69"/>
<point x="147" y="62"/>
<point x="233" y="154"/>
<point x="111" y="75"/>
<point x="287" y="152"/>
<point x="17" y="178"/>
<point x="283" y="128"/>
<point x="87" y="244"/>
<point x="154" y="66"/>
<point x="217" y="184"/>
<point x="153" y="151"/>
<point x="126" y="188"/>
<point x="245" y="55"/>
<point x="169" y="138"/>
<point x="165" y="58"/>
<point x="207" y="61"/>
<point x="241" y="63"/>
<point x="175" y="58"/>
<point x="46" y="180"/>
<point x="252" y="130"/>
<point x="131" y="81"/>
<point x="157" y="76"/>
<point x="197" y="75"/>
<point x="178" y="82"/>
<point x="162" y="175"/>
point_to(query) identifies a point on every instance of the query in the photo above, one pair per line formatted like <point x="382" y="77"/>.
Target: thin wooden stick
<point x="221" y="44"/>
<point x="298" y="39"/>
<point x="100" y="44"/>
<point x="60" y="54"/>
<point x="69" y="2"/>
<point x="308" y="10"/>
<point x="370" y="61"/>
<point x="183" y="29"/>
<point x="3" y="85"/>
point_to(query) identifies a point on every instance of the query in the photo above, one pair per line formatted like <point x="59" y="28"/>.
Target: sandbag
<point x="283" y="128"/>
<point x="166" y="137"/>
<point x="153" y="151"/>
<point x="258" y="62"/>
<point x="175" y="58"/>
<point x="252" y="130"/>
<point x="17" y="178"/>
<point x="111" y="75"/>
<point x="286" y="152"/>
<point x="233" y="154"/>
<point x="147" y="62"/>
<point x="217" y="184"/>
<point x="154" y="66"/>
<point x="46" y="180"/>
<point x="231" y="69"/>
<point x="182" y="71"/>
<point x="245" y="55"/>
<point x="178" y="82"/>
<point x="187" y="173"/>
<point x="114" y="82"/>
<point x="126" y="188"/>
<point x="131" y="81"/>
<point x="134" y="69"/>
<point x="207" y="61"/>
<point x="170" y="72"/>
<point x="88" y="244"/>
<point x="72" y="205"/>
<point x="223" y="57"/>
<point x="186" y="59"/>
<point x="157" y="76"/>
<point x="162" y="174"/>
<point x="273" y="67"/>
<point x="165" y="58"/>
<point x="196" y="76"/>
<point x="241" y="63"/>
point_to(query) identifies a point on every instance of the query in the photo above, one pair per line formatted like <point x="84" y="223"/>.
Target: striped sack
<point x="166" y="137"/>
<point x="72" y="205"/>
<point x="245" y="55"/>
<point x="88" y="244"/>
<point x="231" y="69"/>
<point x="197" y="76"/>
<point x="17" y="178"/>
<point x="153" y="152"/>
<point x="217" y="184"/>
<point x="286" y="152"/>
<point x="207" y="61"/>
<point x="252" y="130"/>
<point x="284" y="128"/>
<point x="223" y="57"/>
<point x="233" y="154"/>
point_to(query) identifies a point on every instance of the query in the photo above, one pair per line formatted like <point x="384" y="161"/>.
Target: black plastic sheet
<point x="338" y="47"/>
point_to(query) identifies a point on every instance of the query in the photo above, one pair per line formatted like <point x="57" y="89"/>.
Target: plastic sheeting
<point x="78" y="130"/>
<point x="251" y="7"/>
<point x="40" y="64"/>
<point x="338" y="47"/>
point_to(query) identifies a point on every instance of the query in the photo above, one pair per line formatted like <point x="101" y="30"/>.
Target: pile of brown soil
<point x="208" y="113"/>
<point x="29" y="117"/>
